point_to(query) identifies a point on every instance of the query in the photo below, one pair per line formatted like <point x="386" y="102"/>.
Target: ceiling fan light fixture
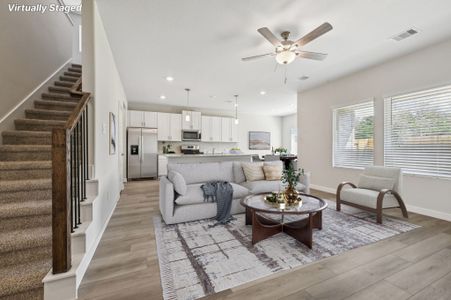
<point x="285" y="57"/>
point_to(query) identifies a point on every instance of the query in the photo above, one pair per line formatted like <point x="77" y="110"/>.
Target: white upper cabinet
<point x="229" y="130"/>
<point x="137" y="118"/>
<point x="169" y="127"/>
<point x="211" y="129"/>
<point x="150" y="119"/>
<point x="195" y="121"/>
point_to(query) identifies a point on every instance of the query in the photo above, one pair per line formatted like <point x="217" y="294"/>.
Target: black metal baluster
<point x="86" y="144"/>
<point x="77" y="170"/>
<point x="71" y="172"/>
<point x="76" y="175"/>
<point x="82" y="154"/>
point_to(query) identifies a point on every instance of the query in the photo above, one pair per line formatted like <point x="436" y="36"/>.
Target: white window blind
<point x="354" y="135"/>
<point x="418" y="132"/>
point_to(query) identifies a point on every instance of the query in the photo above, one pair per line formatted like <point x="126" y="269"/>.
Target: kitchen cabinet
<point x="169" y="127"/>
<point x="229" y="130"/>
<point x="195" y="120"/>
<point x="211" y="129"/>
<point x="137" y="118"/>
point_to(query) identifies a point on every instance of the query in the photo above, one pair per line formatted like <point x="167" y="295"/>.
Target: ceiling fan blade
<point x="267" y="34"/>
<point x="311" y="55"/>
<point x="316" y="33"/>
<point x="250" y="58"/>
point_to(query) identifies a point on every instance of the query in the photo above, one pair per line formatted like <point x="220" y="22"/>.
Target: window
<point x="418" y="132"/>
<point x="354" y="135"/>
<point x="294" y="141"/>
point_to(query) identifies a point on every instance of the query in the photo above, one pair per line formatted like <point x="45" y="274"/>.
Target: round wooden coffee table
<point x="297" y="221"/>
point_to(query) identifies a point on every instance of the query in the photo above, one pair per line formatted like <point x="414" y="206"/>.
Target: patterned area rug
<point x="196" y="260"/>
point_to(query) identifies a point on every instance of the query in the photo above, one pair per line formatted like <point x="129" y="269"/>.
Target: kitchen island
<point x="165" y="159"/>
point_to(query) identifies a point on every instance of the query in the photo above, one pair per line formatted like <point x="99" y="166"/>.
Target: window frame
<point x="334" y="131"/>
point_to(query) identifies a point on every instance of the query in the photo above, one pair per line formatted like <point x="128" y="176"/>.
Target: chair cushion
<point x="194" y="194"/>
<point x="238" y="173"/>
<point x="367" y="198"/>
<point x="178" y="181"/>
<point x="375" y="183"/>
<point x="273" y="172"/>
<point x="265" y="186"/>
<point x="253" y="171"/>
<point x="203" y="172"/>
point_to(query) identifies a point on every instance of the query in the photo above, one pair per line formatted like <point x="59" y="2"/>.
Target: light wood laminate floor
<point x="415" y="265"/>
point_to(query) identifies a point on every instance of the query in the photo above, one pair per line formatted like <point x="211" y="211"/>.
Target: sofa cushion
<point x="238" y="173"/>
<point x="272" y="172"/>
<point x="253" y="171"/>
<point x="203" y="172"/>
<point x="178" y="181"/>
<point x="265" y="186"/>
<point x="367" y="198"/>
<point x="194" y="194"/>
<point x="376" y="183"/>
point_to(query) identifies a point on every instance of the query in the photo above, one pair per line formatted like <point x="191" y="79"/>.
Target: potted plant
<point x="290" y="177"/>
<point x="281" y="151"/>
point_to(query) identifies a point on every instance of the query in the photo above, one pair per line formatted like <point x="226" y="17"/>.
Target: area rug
<point x="196" y="260"/>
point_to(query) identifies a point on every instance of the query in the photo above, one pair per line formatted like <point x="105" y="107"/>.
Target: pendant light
<point x="236" y="110"/>
<point x="187" y="117"/>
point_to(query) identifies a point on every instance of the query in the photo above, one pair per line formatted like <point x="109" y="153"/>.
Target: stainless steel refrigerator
<point x="142" y="156"/>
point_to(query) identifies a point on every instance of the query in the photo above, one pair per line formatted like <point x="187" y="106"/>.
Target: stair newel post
<point x="61" y="200"/>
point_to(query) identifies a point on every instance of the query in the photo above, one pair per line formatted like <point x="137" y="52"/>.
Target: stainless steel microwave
<point x="191" y="135"/>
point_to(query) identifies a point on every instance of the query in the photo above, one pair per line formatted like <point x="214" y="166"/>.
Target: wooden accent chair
<point x="379" y="187"/>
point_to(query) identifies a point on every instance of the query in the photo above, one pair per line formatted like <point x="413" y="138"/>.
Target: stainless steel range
<point x="190" y="149"/>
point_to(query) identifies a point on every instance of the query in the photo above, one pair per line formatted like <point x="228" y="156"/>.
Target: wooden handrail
<point x="63" y="179"/>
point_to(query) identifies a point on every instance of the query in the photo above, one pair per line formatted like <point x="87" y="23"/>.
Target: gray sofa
<point x="190" y="206"/>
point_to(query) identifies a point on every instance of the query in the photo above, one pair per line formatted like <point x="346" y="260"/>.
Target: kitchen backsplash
<point x="204" y="147"/>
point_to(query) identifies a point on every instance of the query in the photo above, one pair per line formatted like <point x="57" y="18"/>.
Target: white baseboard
<point x="429" y="212"/>
<point x="323" y="188"/>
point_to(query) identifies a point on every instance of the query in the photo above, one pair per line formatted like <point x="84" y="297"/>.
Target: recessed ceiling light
<point x="236" y="105"/>
<point x="405" y="34"/>
<point x="304" y="77"/>
<point x="169" y="78"/>
<point x="262" y="92"/>
<point x="212" y="96"/>
<point x="162" y="97"/>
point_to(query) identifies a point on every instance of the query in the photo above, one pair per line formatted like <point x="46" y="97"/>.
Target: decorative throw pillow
<point x="178" y="181"/>
<point x="375" y="183"/>
<point x="238" y="174"/>
<point x="272" y="172"/>
<point x="253" y="171"/>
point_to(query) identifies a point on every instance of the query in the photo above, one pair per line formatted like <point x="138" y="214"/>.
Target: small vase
<point x="291" y="195"/>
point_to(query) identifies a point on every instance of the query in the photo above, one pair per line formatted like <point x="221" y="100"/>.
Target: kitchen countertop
<point x="204" y="155"/>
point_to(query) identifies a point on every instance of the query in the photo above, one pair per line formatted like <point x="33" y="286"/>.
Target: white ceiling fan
<point x="287" y="50"/>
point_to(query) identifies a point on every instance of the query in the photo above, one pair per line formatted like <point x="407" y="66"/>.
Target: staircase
<point x="26" y="191"/>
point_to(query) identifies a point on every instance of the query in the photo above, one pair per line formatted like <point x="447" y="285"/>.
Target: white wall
<point x="33" y="47"/>
<point x="248" y="122"/>
<point x="288" y="123"/>
<point x="76" y="54"/>
<point x="425" y="68"/>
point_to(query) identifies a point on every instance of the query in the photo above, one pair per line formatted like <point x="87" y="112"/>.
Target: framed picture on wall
<point x="259" y="140"/>
<point x="113" y="134"/>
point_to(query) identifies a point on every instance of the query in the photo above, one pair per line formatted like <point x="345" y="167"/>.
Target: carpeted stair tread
<point x="59" y="97"/>
<point x="68" y="79"/>
<point x="25" y="238"/>
<point x="55" y="105"/>
<point x="74" y="70"/>
<point x="24" y="277"/>
<point x="19" y="170"/>
<point x="27" y="185"/>
<point x="38" y="124"/>
<point x="59" y="89"/>
<point x="25" y="208"/>
<point x="76" y="66"/>
<point x="63" y="84"/>
<point x="47" y="114"/>
<point x="25" y="137"/>
<point x="25" y="165"/>
<point x="72" y="74"/>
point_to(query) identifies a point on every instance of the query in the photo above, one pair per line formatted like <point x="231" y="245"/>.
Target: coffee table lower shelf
<point x="301" y="230"/>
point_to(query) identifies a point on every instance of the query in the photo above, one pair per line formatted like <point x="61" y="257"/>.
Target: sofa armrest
<point x="305" y="180"/>
<point x="166" y="198"/>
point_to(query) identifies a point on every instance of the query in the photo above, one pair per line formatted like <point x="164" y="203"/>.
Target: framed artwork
<point x="259" y="140"/>
<point x="113" y="135"/>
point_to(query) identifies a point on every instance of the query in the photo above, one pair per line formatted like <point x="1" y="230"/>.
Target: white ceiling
<point x="200" y="43"/>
